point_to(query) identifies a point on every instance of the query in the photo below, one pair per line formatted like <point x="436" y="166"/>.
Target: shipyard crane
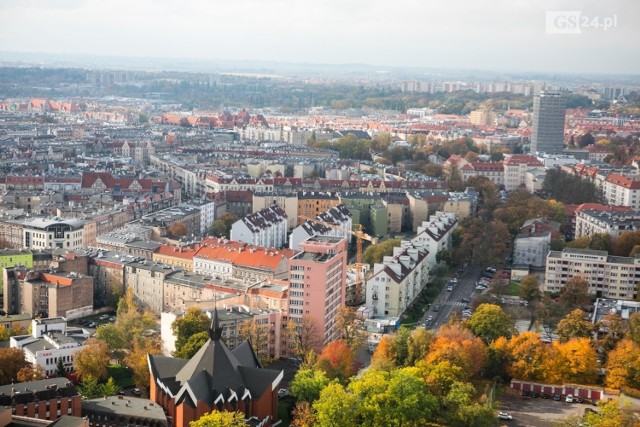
<point x="360" y="236"/>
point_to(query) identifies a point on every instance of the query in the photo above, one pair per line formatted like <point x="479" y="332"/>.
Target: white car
<point x="481" y="288"/>
<point x="504" y="416"/>
<point x="569" y="398"/>
<point x="283" y="392"/>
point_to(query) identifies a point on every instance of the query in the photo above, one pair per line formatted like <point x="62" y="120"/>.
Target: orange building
<point x="313" y="203"/>
<point x="215" y="378"/>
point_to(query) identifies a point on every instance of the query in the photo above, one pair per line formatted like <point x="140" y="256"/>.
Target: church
<point x="215" y="378"/>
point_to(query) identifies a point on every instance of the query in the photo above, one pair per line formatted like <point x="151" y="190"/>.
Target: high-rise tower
<point x="548" y="123"/>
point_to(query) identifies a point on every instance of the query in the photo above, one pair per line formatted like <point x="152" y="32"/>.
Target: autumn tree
<point x="484" y="242"/>
<point x="303" y="415"/>
<point x="350" y="327"/>
<point x="93" y="359"/>
<point x="336" y="407"/>
<point x="623" y="365"/>
<point x="626" y="242"/>
<point x="549" y="313"/>
<point x="612" y="413"/>
<point x="634" y="327"/>
<point x="577" y="361"/>
<point x="177" y="229"/>
<point x="489" y="322"/>
<point x="384" y="357"/>
<point x="498" y="359"/>
<point x="305" y="335"/>
<point x="418" y="345"/>
<point x="530" y="289"/>
<point x="575" y="294"/>
<point x="337" y="361"/>
<point x="459" y="346"/>
<point x="136" y="360"/>
<point x="375" y="253"/>
<point x="612" y="328"/>
<point x="220" y="419"/>
<point x="528" y="355"/>
<point x="193" y="322"/>
<point x="258" y="334"/>
<point x="31" y="372"/>
<point x="574" y="325"/>
<point x="5" y="333"/>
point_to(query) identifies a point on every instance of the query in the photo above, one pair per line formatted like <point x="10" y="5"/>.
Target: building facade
<point x="547" y="130"/>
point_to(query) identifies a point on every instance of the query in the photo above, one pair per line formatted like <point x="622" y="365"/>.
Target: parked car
<point x="580" y="399"/>
<point x="526" y="393"/>
<point x="283" y="392"/>
<point x="481" y="288"/>
<point x="464" y="300"/>
<point x="429" y="319"/>
<point x="436" y="308"/>
<point x="569" y="398"/>
<point x="104" y="317"/>
<point x="91" y="324"/>
<point x="136" y="392"/>
<point x="505" y="416"/>
<point x="545" y="395"/>
<point x="449" y="288"/>
<point x="490" y="270"/>
<point x="557" y="397"/>
<point x="534" y="394"/>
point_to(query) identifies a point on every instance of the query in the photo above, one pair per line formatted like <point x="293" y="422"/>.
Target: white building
<point x="608" y="276"/>
<point x="267" y="228"/>
<point x="435" y="235"/>
<point x="398" y="280"/>
<point x="619" y="190"/>
<point x="51" y="340"/>
<point x="592" y="221"/>
<point x="531" y="248"/>
<point x="207" y="210"/>
<point x="515" y="170"/>
<point x="41" y="233"/>
<point x="338" y="218"/>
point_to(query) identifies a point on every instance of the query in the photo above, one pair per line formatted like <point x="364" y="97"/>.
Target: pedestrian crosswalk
<point x="455" y="303"/>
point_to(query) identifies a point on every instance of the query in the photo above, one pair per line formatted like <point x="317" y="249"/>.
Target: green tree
<point x="60" y="370"/>
<point x="489" y="322"/>
<point x="407" y="402"/>
<point x="89" y="387"/>
<point x="612" y="413"/>
<point x="110" y="388"/>
<point x="530" y="289"/>
<point x="418" y="345"/>
<point x="307" y="384"/>
<point x="221" y="227"/>
<point x="375" y="253"/>
<point x="574" y="325"/>
<point x="220" y="419"/>
<point x="335" y="407"/>
<point x="475" y="414"/>
<point x="634" y="327"/>
<point x="401" y="344"/>
<point x="193" y="322"/>
<point x="193" y="344"/>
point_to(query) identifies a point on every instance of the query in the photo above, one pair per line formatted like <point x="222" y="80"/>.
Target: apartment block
<point x="267" y="228"/>
<point x="435" y="234"/>
<point x="589" y="222"/>
<point x="608" y="276"/>
<point x="621" y="190"/>
<point x="317" y="283"/>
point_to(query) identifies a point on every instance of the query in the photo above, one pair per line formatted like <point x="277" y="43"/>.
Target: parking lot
<point x="537" y="412"/>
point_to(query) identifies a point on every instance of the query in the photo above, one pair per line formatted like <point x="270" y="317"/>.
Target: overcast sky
<point x="508" y="35"/>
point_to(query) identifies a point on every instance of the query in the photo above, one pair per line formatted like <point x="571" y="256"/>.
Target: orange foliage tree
<point x="623" y="365"/>
<point x="337" y="361"/>
<point x="384" y="357"/>
<point x="577" y="361"/>
<point x="459" y="346"/>
<point x="528" y="355"/>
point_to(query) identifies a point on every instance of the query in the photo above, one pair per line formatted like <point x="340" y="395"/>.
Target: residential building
<point x="397" y="280"/>
<point x="178" y="256"/>
<point x="435" y="235"/>
<point x="589" y="222"/>
<point x="313" y="203"/>
<point x="286" y="199"/>
<point x="50" y="340"/>
<point x="215" y="378"/>
<point x="531" y="248"/>
<point x="40" y="293"/>
<point x="547" y="130"/>
<point x="47" y="399"/>
<point x="15" y="257"/>
<point x="621" y="190"/>
<point x="338" y="223"/>
<point x="608" y="276"/>
<point x="317" y="284"/>
<point x="146" y="279"/>
<point x="493" y="171"/>
<point x="267" y="228"/>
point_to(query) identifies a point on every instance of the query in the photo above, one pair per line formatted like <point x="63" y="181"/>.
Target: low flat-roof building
<point x="123" y="411"/>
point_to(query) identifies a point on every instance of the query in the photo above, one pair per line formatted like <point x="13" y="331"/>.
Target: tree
<point x="111" y="333"/>
<point x="336" y="407"/>
<point x="93" y="359"/>
<point x="612" y="413"/>
<point x="612" y="328"/>
<point x="627" y="242"/>
<point x="89" y="387"/>
<point x="193" y="344"/>
<point x="192" y="323"/>
<point x="634" y="327"/>
<point x="5" y="333"/>
<point x="578" y="361"/>
<point x="137" y="359"/>
<point x="220" y="419"/>
<point x="304" y="334"/>
<point x="573" y="325"/>
<point x="418" y="345"/>
<point x="337" y="361"/>
<point x="110" y="388"/>
<point x="440" y="377"/>
<point x="623" y="365"/>
<point x="177" y="229"/>
<point x="407" y="402"/>
<point x="350" y="327"/>
<point x="484" y="241"/>
<point x="549" y="313"/>
<point x="528" y="355"/>
<point x="498" y="359"/>
<point x="530" y="289"/>
<point x="489" y="322"/>
<point x="307" y="384"/>
<point x="401" y="344"/>
<point x="31" y="372"/>
<point x="221" y="227"/>
<point x="384" y="357"/>
<point x="60" y="370"/>
<point x="258" y="335"/>
<point x="459" y="346"/>
<point x="12" y="362"/>
<point x="375" y="253"/>
<point x="303" y="415"/>
<point x="575" y="294"/>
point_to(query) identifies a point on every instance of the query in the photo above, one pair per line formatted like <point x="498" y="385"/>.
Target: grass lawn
<point x="283" y="410"/>
<point x="121" y="375"/>
<point x="513" y="289"/>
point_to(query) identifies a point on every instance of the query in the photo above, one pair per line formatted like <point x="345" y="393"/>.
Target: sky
<point x="503" y="35"/>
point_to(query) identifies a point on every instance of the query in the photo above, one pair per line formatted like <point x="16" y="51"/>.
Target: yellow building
<point x="313" y="203"/>
<point x="14" y="258"/>
<point x="176" y="255"/>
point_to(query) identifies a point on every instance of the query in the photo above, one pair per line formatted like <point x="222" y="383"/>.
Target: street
<point x="449" y="301"/>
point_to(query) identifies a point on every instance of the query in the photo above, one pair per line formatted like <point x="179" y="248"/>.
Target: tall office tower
<point x="548" y="123"/>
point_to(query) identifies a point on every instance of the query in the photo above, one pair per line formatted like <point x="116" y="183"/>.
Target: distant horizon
<point x="546" y="36"/>
<point x="208" y="65"/>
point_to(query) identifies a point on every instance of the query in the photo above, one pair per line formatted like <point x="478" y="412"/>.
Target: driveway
<point x="538" y="412"/>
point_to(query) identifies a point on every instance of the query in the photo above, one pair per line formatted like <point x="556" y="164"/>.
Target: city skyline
<point x="515" y="37"/>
